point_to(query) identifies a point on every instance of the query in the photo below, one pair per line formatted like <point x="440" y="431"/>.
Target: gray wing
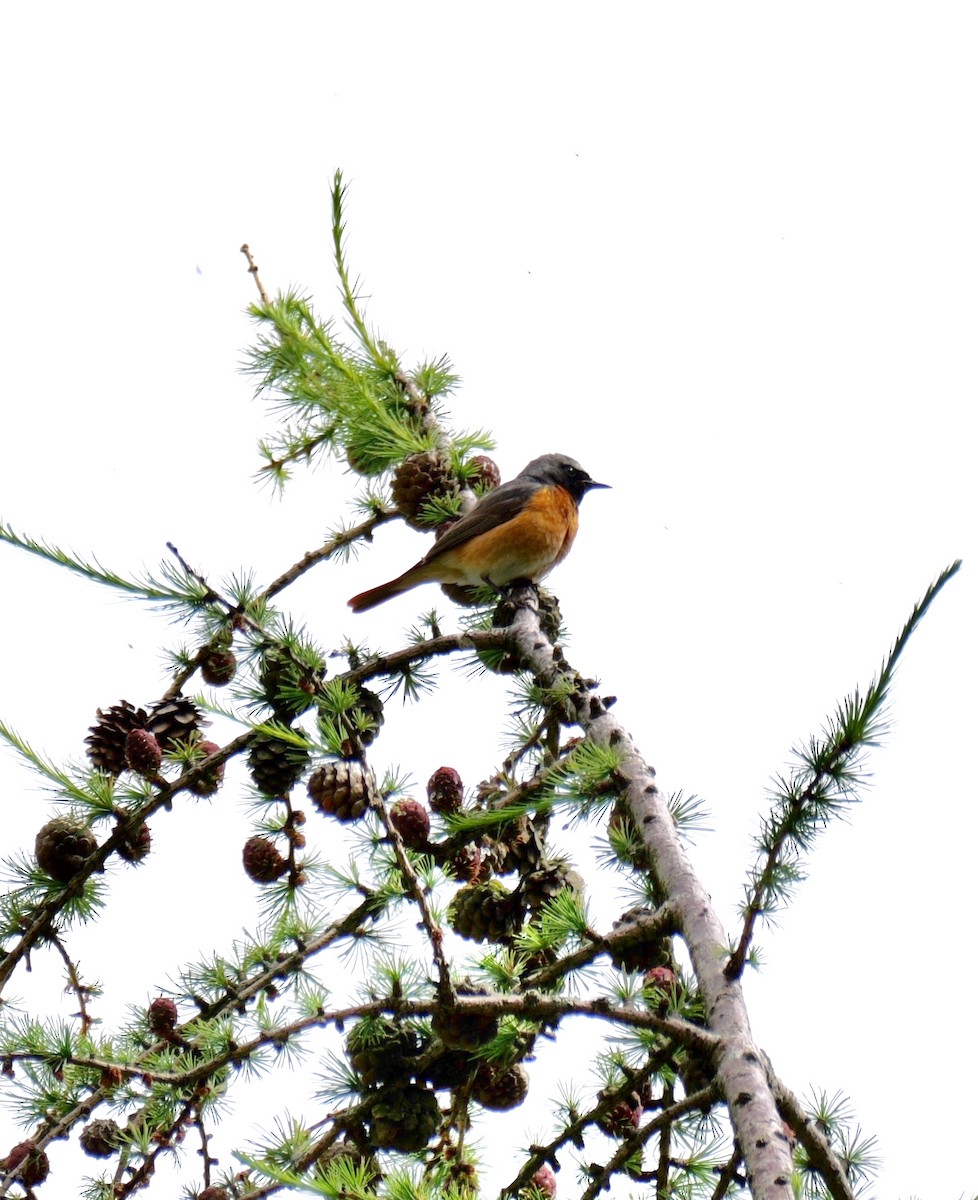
<point x="495" y="508"/>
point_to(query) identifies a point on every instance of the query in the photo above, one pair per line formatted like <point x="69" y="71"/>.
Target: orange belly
<point x="527" y="547"/>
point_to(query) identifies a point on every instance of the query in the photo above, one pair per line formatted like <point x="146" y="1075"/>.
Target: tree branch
<point x="739" y="1063"/>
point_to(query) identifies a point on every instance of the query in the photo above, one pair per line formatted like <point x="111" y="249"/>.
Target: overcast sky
<point x="725" y="255"/>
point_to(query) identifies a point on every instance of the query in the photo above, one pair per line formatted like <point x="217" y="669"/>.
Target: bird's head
<point x="563" y="471"/>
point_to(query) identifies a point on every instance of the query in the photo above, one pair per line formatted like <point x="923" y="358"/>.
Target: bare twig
<point x="417" y="893"/>
<point x="364" y="531"/>
<point x="75" y="984"/>
<point x="253" y="270"/>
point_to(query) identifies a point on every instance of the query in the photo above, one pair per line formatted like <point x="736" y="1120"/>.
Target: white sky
<point x="725" y="255"/>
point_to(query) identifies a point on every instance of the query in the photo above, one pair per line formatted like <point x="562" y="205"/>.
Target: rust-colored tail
<point x="374" y="596"/>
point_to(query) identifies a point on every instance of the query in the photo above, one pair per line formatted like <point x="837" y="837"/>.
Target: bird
<point x="520" y="530"/>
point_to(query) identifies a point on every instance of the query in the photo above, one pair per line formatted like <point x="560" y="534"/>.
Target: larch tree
<point x="413" y="957"/>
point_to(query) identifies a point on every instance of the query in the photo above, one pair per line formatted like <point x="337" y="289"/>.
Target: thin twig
<point x="253" y="269"/>
<point x="574" y="1131"/>
<point x="842" y="747"/>
<point x="336" y="543"/>
<point x="665" y="1140"/>
<point x="728" y="1175"/>
<point x="211" y="597"/>
<point x="75" y="983"/>
<point x="629" y="1145"/>
<point x="435" y="935"/>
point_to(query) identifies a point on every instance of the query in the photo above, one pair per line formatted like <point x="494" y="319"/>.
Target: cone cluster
<point x="162" y="727"/>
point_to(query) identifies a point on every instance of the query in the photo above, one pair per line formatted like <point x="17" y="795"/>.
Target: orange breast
<point x="526" y="547"/>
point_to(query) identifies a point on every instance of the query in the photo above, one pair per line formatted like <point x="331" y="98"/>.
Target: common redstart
<point x="521" y="530"/>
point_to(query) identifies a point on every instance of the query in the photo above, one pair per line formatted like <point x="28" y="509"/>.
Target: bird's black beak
<point x="593" y="483"/>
